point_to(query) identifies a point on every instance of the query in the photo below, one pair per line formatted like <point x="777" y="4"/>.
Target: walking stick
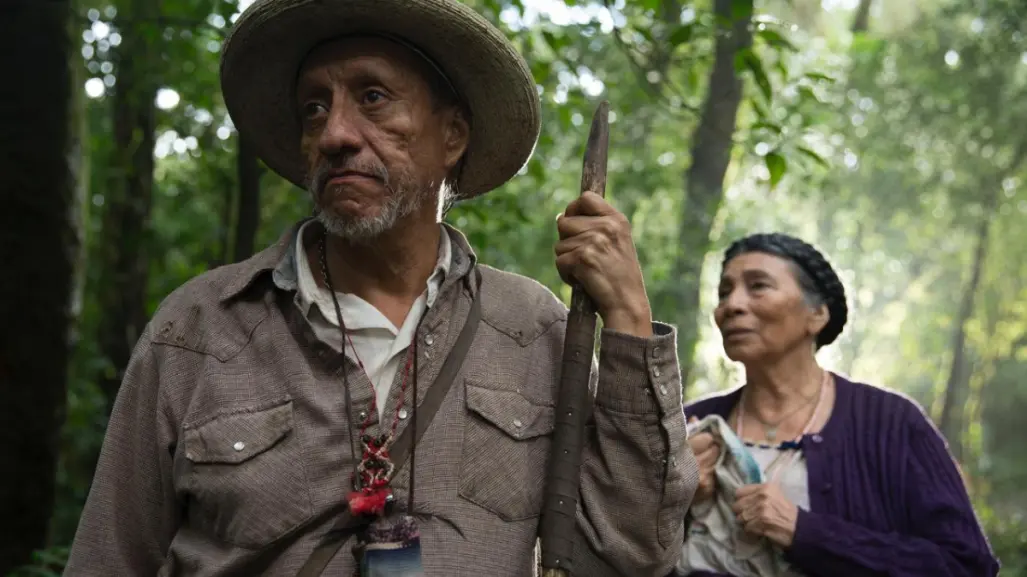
<point x="558" y="522"/>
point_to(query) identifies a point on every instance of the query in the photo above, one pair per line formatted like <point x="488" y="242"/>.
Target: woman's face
<point x="762" y="313"/>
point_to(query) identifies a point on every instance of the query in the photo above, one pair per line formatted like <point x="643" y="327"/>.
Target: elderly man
<point x="268" y="400"/>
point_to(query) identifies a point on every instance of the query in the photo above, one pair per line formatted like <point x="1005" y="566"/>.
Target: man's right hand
<point x="706" y="454"/>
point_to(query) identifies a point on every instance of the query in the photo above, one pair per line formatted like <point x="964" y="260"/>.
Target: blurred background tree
<point x="887" y="133"/>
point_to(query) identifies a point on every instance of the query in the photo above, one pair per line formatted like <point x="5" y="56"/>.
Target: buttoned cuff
<point x="640" y="375"/>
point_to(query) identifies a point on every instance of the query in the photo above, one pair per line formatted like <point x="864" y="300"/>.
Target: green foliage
<point x="48" y="562"/>
<point x="1008" y="538"/>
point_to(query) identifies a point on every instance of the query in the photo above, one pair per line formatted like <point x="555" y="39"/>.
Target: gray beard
<point x="365" y="229"/>
<point x="404" y="200"/>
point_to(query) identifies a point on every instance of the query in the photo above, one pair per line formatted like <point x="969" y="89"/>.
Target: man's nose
<point x="342" y="133"/>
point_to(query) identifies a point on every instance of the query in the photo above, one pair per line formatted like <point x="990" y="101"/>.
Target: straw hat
<point x="262" y="55"/>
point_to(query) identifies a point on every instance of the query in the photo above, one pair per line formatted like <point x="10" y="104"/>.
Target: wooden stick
<point x="558" y="523"/>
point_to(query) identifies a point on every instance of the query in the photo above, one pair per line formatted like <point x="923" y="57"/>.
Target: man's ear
<point x="458" y="134"/>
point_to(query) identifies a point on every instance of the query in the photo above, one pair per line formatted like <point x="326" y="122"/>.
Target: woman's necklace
<point x="805" y="431"/>
<point x="770" y="429"/>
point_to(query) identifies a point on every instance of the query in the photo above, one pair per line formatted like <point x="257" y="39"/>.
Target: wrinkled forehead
<point x="757" y="262"/>
<point x="363" y="50"/>
<point x="377" y="54"/>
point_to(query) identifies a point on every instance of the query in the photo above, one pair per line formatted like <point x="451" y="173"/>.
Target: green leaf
<point x="761" y="111"/>
<point x="809" y="153"/>
<point x="554" y="42"/>
<point x="692" y="79"/>
<point x="775" y="39"/>
<point x="806" y="94"/>
<point x="819" y="76"/>
<point x="777" y="166"/>
<point x="682" y="34"/>
<point x="766" y="125"/>
<point x="752" y="62"/>
<point x="866" y="45"/>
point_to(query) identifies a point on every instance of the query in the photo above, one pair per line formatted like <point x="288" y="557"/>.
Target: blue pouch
<point x="391" y="547"/>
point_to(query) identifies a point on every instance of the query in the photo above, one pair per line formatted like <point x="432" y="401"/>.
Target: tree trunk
<point x="956" y="389"/>
<point x="861" y="21"/>
<point x="248" y="219"/>
<point x="125" y="234"/>
<point x="37" y="247"/>
<point x="712" y="143"/>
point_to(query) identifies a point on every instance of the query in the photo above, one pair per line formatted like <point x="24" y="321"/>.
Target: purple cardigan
<point x="886" y="498"/>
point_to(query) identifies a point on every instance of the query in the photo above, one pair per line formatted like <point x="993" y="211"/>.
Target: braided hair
<point x="819" y="282"/>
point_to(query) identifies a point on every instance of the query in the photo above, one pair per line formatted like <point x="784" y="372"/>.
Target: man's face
<point x="378" y="147"/>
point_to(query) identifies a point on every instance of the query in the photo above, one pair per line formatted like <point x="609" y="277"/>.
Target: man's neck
<point x="779" y="386"/>
<point x="390" y="272"/>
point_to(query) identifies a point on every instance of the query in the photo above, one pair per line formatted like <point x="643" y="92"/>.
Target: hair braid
<point x="811" y="262"/>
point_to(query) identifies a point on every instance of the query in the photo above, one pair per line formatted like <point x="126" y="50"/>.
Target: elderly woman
<point x="861" y="483"/>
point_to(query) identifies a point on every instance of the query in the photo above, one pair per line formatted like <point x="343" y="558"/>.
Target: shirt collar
<point x="299" y="275"/>
<point x="279" y="260"/>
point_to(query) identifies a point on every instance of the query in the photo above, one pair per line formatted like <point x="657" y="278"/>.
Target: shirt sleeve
<point x="130" y="515"/>
<point x="638" y="474"/>
<point x="945" y="538"/>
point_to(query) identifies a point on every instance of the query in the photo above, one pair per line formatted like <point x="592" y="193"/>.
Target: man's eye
<point x="373" y="97"/>
<point x="313" y="110"/>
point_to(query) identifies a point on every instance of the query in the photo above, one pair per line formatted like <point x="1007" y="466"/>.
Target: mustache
<point x="325" y="171"/>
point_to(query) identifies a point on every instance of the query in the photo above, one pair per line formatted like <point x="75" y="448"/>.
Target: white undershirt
<point x="378" y="343"/>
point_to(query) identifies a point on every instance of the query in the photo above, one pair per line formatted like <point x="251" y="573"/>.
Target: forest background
<point x="888" y="133"/>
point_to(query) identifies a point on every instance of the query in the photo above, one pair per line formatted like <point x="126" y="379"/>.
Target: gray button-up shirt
<point x="229" y="442"/>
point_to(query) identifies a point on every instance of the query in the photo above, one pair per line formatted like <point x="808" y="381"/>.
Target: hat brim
<point x="262" y="55"/>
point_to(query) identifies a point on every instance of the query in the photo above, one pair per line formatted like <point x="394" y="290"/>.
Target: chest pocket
<point x="506" y="446"/>
<point x="244" y="473"/>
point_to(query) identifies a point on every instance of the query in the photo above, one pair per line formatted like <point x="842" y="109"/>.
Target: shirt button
<point x="402" y="413"/>
<point x="828" y="487"/>
<point x="656" y="371"/>
<point x="663" y="390"/>
<point x="239" y="445"/>
<point x="362" y="415"/>
<point x="518" y="423"/>
<point x="656" y="352"/>
<point x="817" y="438"/>
<point x="429" y="339"/>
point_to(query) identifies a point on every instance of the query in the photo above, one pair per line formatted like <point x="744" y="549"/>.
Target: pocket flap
<point x="236" y="437"/>
<point x="512" y="412"/>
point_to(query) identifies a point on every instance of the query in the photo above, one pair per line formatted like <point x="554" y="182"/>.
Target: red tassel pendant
<point x="374" y="472"/>
<point x="368" y="501"/>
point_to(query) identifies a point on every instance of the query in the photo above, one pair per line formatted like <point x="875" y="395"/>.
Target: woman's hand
<point x="706" y="453"/>
<point x="763" y="510"/>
